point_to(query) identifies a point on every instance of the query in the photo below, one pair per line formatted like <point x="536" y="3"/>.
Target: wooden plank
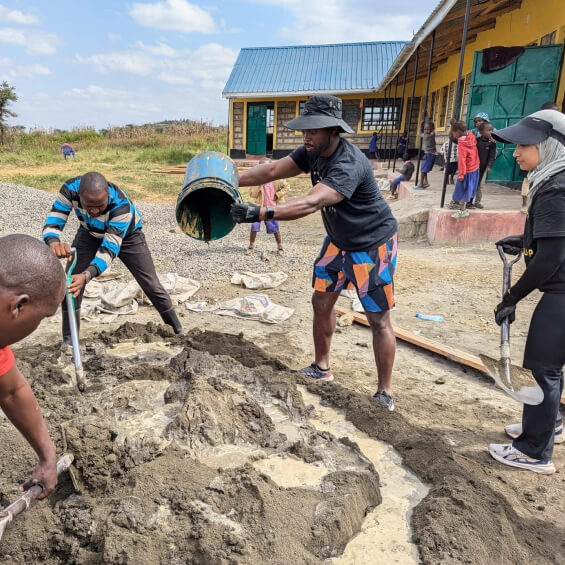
<point x="429" y="344"/>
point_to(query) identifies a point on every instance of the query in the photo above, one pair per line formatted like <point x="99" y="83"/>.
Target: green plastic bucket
<point x="210" y="187"/>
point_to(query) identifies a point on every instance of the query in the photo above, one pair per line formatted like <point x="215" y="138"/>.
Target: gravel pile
<point x="24" y="210"/>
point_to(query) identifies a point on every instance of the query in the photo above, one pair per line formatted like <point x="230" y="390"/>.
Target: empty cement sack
<point x="256" y="281"/>
<point x="180" y="288"/>
<point x="255" y="307"/>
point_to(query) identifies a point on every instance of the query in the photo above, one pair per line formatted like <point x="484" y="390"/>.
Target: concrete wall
<point x="237" y="126"/>
<point x="286" y="138"/>
<point x="484" y="226"/>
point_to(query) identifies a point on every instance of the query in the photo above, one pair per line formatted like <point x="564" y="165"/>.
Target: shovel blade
<point x="523" y="387"/>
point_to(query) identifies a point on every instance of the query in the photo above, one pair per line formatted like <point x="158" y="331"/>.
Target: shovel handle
<point x="504" y="257"/>
<point x="22" y="503"/>
<point x="506" y="282"/>
<point x="79" y="372"/>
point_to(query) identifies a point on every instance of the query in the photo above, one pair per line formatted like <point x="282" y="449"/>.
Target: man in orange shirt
<point x="32" y="285"/>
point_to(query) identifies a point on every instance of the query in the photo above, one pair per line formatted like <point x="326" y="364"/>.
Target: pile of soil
<point x="151" y="483"/>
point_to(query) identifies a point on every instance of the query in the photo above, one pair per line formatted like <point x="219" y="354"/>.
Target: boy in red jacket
<point x="468" y="169"/>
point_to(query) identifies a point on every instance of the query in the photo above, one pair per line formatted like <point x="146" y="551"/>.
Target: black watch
<point x="269" y="213"/>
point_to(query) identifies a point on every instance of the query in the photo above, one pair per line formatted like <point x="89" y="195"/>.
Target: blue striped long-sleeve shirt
<point x="119" y="219"/>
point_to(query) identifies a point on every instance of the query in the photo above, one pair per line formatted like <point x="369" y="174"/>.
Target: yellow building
<point x="383" y="84"/>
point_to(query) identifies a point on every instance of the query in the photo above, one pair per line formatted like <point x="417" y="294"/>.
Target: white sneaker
<point x="507" y="454"/>
<point x="515" y="430"/>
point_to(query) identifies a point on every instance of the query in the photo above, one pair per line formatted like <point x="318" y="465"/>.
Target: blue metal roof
<point x="305" y="69"/>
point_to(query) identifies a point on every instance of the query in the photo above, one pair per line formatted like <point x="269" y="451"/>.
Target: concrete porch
<point x="420" y="216"/>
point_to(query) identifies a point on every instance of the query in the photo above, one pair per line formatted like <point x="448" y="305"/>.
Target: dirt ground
<point x="140" y="433"/>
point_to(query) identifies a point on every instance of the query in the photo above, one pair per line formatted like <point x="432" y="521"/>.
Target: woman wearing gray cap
<point x="540" y="149"/>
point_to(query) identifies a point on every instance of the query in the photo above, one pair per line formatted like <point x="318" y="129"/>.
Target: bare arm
<point x="20" y="406"/>
<point x="320" y="196"/>
<point x="281" y="169"/>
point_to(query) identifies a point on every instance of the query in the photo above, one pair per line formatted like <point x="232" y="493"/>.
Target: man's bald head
<point x="92" y="184"/>
<point x="28" y="266"/>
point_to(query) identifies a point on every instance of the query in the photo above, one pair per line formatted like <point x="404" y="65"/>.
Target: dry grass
<point x="37" y="161"/>
<point x="125" y="156"/>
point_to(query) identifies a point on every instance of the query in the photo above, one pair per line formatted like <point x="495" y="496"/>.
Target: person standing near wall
<point x="430" y="151"/>
<point x="467" y="169"/>
<point x="486" y="148"/>
<point x="373" y="148"/>
<point x="451" y="162"/>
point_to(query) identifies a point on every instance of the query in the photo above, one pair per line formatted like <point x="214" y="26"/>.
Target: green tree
<point x="7" y="96"/>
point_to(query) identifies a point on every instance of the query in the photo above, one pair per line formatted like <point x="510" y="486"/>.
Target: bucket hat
<point x="534" y="129"/>
<point x="483" y="116"/>
<point x="320" y="111"/>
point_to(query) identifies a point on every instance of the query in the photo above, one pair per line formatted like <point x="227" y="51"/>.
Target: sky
<point x="101" y="63"/>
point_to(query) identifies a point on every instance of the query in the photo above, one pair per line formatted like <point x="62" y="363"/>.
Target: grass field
<point x="35" y="160"/>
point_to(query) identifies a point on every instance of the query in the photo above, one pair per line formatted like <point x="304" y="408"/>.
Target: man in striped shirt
<point x="110" y="226"/>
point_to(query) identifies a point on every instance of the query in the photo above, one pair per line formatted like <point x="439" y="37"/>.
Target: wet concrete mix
<point x="168" y="438"/>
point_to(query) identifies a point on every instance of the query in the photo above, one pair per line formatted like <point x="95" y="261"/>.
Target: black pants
<point x="135" y="255"/>
<point x="545" y="356"/>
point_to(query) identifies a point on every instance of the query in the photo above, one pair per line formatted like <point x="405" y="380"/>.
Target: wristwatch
<point x="269" y="213"/>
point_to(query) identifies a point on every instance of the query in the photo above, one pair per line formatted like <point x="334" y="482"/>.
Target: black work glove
<point x="512" y="245"/>
<point x="245" y="213"/>
<point x="506" y="309"/>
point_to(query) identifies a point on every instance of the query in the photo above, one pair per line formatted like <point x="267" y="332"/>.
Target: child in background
<point x="467" y="166"/>
<point x="429" y="146"/>
<point x="479" y="119"/>
<point x="406" y="173"/>
<point x="451" y="163"/>
<point x="268" y="194"/>
<point x="486" y="148"/>
<point x="401" y="144"/>
<point x="373" y="149"/>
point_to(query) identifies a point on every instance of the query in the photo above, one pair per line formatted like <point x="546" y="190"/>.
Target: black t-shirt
<point x="546" y="218"/>
<point x="363" y="219"/>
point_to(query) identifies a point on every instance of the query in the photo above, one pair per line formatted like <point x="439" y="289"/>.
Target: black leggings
<point x="545" y="356"/>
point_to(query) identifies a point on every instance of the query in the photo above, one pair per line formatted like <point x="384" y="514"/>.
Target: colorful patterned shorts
<point x="370" y="272"/>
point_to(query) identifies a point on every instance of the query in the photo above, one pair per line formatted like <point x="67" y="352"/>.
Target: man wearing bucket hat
<point x="540" y="150"/>
<point x="361" y="242"/>
<point x="110" y="227"/>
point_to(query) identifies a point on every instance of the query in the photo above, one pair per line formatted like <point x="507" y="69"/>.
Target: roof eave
<point x="435" y="18"/>
<point x="230" y="95"/>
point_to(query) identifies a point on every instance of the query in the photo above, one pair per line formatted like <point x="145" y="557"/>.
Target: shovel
<point x="79" y="372"/>
<point x="514" y="381"/>
<point x="24" y="501"/>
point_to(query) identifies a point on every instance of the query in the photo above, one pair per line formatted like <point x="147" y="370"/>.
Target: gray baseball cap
<point x="320" y="111"/>
<point x="534" y="129"/>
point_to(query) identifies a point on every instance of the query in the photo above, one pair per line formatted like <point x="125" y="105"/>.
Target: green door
<point x="512" y="93"/>
<point x="256" y="128"/>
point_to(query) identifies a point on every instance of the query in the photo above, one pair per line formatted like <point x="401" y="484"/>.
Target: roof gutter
<point x="435" y="18"/>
